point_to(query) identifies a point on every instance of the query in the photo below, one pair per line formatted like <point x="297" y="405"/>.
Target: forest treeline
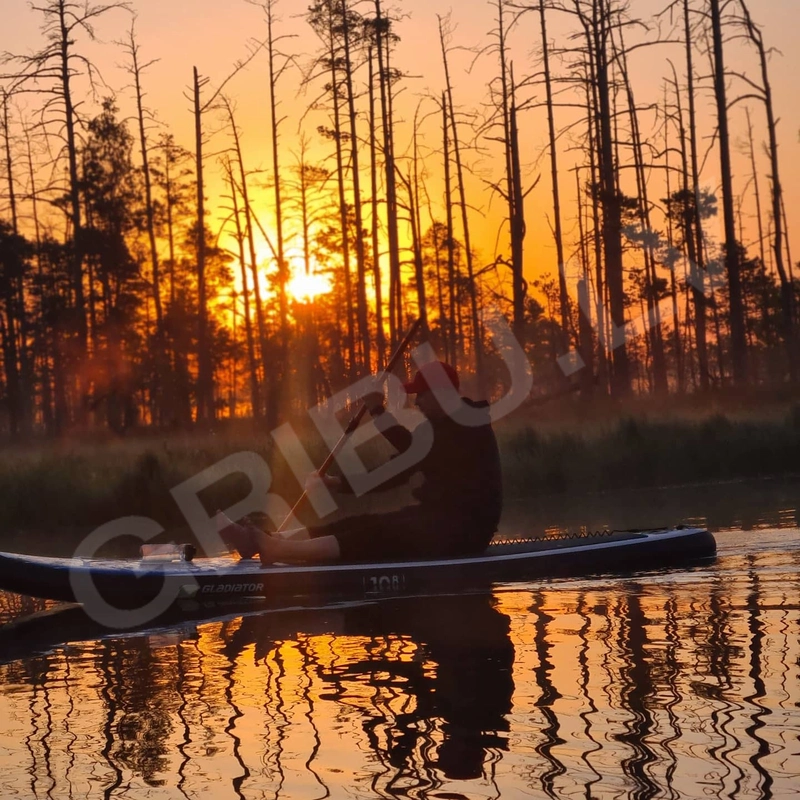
<point x="129" y="296"/>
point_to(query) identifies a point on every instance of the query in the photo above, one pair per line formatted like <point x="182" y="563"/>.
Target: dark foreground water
<point x="684" y="684"/>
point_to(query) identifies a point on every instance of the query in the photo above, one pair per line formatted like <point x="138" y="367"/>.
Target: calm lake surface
<point x="684" y="684"/>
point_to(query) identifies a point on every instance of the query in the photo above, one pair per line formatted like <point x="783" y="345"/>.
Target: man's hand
<point x="374" y="402"/>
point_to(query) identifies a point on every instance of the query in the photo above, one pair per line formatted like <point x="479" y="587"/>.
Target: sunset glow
<point x="365" y="194"/>
<point x="306" y="286"/>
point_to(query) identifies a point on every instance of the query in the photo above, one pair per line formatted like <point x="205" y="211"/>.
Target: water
<point x="683" y="684"/>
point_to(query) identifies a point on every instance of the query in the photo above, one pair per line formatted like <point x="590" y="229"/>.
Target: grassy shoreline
<point x="638" y="453"/>
<point x="74" y="486"/>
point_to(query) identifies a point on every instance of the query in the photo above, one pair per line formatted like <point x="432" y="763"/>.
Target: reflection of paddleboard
<point x="132" y="584"/>
<point x="70" y="623"/>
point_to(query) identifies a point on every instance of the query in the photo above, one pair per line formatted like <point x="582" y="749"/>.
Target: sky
<point x="212" y="36"/>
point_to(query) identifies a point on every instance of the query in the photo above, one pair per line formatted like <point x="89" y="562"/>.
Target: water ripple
<point x="660" y="685"/>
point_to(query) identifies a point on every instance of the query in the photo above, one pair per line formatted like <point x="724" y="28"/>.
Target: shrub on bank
<point x="637" y="453"/>
<point x="79" y="486"/>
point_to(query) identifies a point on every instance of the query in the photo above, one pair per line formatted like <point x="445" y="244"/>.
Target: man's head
<point x="436" y="387"/>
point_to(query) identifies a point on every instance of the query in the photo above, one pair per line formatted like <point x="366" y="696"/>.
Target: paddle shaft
<point x="359" y="415"/>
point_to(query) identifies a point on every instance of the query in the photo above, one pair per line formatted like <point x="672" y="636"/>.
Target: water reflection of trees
<point x="13" y="606"/>
<point x="635" y="688"/>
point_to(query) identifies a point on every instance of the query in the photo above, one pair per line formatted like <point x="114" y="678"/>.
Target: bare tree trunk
<point x="439" y="285"/>
<point x="677" y="343"/>
<point x="382" y="25"/>
<point x="517" y="222"/>
<point x="584" y="303"/>
<point x="751" y="152"/>
<point x="416" y="230"/>
<point x="343" y="216"/>
<point x="280" y="369"/>
<point x="597" y="20"/>
<point x="47" y="326"/>
<point x="513" y="195"/>
<point x="551" y="128"/>
<point x="12" y="193"/>
<point x="267" y="366"/>
<point x="762" y="236"/>
<point x="477" y="344"/>
<point x="451" y="248"/>
<point x="74" y="190"/>
<point x="376" y="261"/>
<point x="719" y="347"/>
<point x="136" y="70"/>
<point x="205" y="379"/>
<point x="255" y="392"/>
<point x="610" y="197"/>
<point x="310" y="361"/>
<point x="361" y="270"/>
<point x="789" y="261"/>
<point x="732" y="254"/>
<point x="600" y="305"/>
<point x="56" y="65"/>
<point x="14" y="340"/>
<point x="660" y="381"/>
<point x="787" y="290"/>
<point x="696" y="248"/>
<point x="416" y="245"/>
<point x="168" y="148"/>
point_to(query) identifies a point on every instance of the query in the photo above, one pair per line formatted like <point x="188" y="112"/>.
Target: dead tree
<point x="383" y="35"/>
<point x="45" y="345"/>
<point x="135" y="68"/>
<point x="692" y="201"/>
<point x="249" y="231"/>
<point x="696" y="243"/>
<point x="551" y="130"/>
<point x="255" y="389"/>
<point x="322" y="19"/>
<point x="412" y="184"/>
<point x="513" y="184"/>
<point x="600" y="40"/>
<point x="276" y="71"/>
<point x="15" y="334"/>
<point x="311" y="205"/>
<point x="52" y="72"/>
<point x="732" y="252"/>
<point x="763" y="92"/>
<point x="375" y="213"/>
<point x="598" y="20"/>
<point x="647" y="238"/>
<point x="349" y="25"/>
<point x="451" y="350"/>
<point x="205" y="376"/>
<point x="585" y="339"/>
<point x="672" y="254"/>
<point x="477" y="343"/>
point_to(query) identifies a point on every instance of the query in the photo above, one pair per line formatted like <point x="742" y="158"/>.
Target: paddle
<point x="354" y="422"/>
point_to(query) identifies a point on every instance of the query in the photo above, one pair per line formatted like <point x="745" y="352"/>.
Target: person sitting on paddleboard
<point x="458" y="504"/>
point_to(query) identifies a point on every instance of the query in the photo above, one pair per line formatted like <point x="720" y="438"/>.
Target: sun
<point x="306" y="285"/>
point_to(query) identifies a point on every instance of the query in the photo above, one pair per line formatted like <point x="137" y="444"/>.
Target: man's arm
<point x="396" y="434"/>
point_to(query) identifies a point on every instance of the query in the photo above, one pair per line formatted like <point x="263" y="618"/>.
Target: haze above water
<point x="678" y="684"/>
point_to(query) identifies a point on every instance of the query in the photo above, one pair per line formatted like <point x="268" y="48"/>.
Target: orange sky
<point x="210" y="35"/>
